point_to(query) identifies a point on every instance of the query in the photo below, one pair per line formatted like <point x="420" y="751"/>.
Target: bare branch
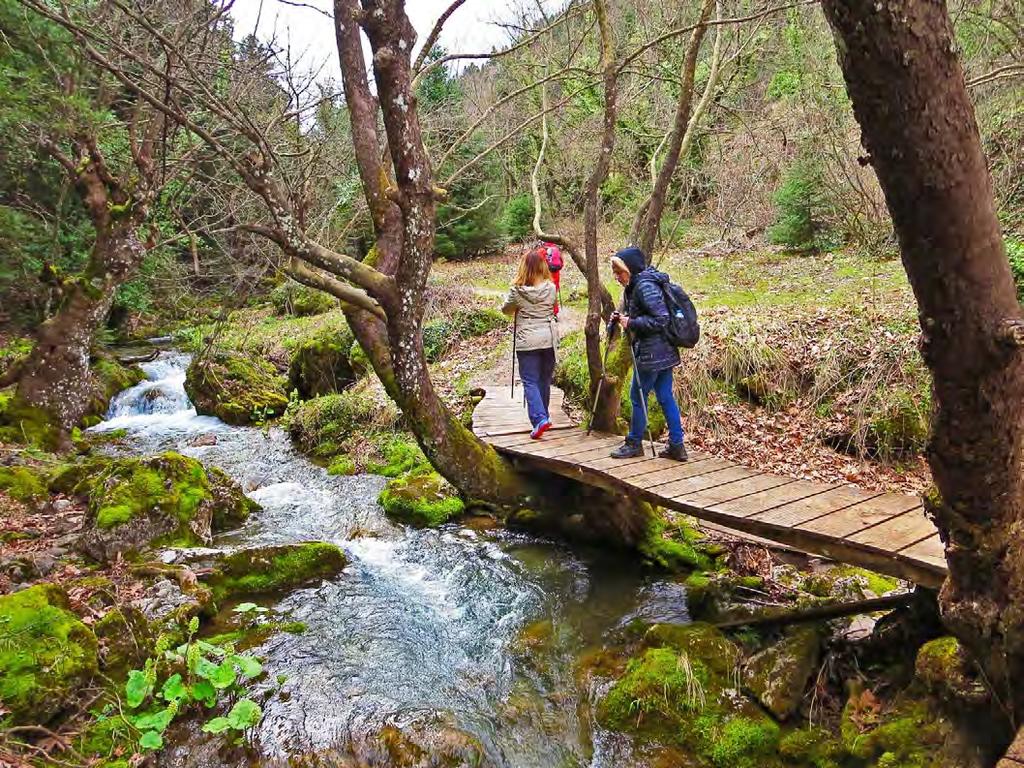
<point x="434" y="34"/>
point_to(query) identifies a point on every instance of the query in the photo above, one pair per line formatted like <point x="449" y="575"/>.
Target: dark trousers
<point x="661" y="383"/>
<point x="537" y="368"/>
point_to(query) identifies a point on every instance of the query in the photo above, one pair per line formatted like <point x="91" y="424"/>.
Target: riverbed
<point x="467" y="630"/>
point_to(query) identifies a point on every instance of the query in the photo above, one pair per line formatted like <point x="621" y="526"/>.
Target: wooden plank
<point x="608" y="463"/>
<point x="797" y="513"/>
<point x="739" y="489"/>
<point x="525" y="439"/>
<point x="588" y="448"/>
<point x="931" y="552"/>
<point x="634" y="469"/>
<point x="896" y="533"/>
<point x="862" y="516"/>
<point x="683" y="489"/>
<point x="651" y="480"/>
<point x="770" y="498"/>
<point x="585" y="445"/>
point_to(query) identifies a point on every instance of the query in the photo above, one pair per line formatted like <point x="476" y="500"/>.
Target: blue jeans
<point x="661" y="383"/>
<point x="537" y="368"/>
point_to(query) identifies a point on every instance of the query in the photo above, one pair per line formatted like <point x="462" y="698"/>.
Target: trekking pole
<point x="515" y="333"/>
<point x="600" y="382"/>
<point x="643" y="398"/>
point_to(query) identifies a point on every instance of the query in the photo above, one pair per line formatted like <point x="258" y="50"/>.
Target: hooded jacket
<point x="534" y="308"/>
<point x="644" y="302"/>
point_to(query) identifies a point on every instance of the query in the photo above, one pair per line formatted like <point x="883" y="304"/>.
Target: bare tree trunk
<point x="907" y="86"/>
<point x="56" y="376"/>
<point x="648" y="222"/>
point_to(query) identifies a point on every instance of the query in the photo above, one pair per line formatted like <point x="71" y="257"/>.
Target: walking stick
<point x="600" y="382"/>
<point x="643" y="398"/>
<point x="515" y="334"/>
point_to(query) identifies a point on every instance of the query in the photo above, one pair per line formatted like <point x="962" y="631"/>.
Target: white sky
<point x="469" y="29"/>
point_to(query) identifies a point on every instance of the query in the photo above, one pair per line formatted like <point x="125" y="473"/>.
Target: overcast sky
<point x="470" y="28"/>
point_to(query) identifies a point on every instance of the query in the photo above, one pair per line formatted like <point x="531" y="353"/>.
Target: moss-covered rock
<point x="847" y="582"/>
<point x="46" y="653"/>
<point x="424" y="499"/>
<point x="674" y="547"/>
<point x="166" y="499"/>
<point x="327" y="426"/>
<point x="25" y="424"/>
<point x="126" y="639"/>
<point x="943" y="667"/>
<point x="262" y="570"/>
<point x="234" y="388"/>
<point x="321" y="366"/>
<point x="778" y="675"/>
<point x="681" y="691"/>
<point x="812" y="747"/>
<point x="291" y="298"/>
<point x="905" y="734"/>
<point x="23" y="483"/>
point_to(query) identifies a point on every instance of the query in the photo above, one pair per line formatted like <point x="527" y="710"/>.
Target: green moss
<point x="126" y="640"/>
<point x="106" y="736"/>
<point x="672" y="548"/>
<point x="249" y="637"/>
<point x="424" y="499"/>
<point x="654" y="693"/>
<point x="235" y="388"/>
<point x="22" y="483"/>
<point x="739" y="742"/>
<point x="45" y="653"/>
<point x="342" y="465"/>
<point x="173" y="483"/>
<point x="697" y="640"/>
<point x="320" y="365"/>
<point x="25" y="424"/>
<point x="270" y="569"/>
<point x="292" y="298"/>
<point x="811" y="747"/>
<point x="327" y="426"/>
<point x="908" y="733"/>
<point x="848" y="581"/>
<point x="401" y="455"/>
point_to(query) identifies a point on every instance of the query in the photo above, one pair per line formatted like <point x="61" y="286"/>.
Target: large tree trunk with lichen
<point x="56" y="376"/>
<point x="907" y="86"/>
<point x="404" y="215"/>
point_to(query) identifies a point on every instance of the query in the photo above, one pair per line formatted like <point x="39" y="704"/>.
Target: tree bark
<point x="56" y="376"/>
<point x="909" y="96"/>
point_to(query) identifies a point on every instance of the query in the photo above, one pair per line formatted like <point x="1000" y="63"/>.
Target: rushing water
<point x="424" y="626"/>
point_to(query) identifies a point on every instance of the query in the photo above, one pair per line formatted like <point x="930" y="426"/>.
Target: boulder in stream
<point x="778" y="675"/>
<point x="46" y="653"/>
<point x="320" y="365"/>
<point x="422" y="498"/>
<point x="235" y="388"/>
<point x="167" y="499"/>
<point x="262" y="570"/>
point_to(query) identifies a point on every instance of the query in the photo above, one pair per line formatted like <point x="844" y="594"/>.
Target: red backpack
<point x="553" y="256"/>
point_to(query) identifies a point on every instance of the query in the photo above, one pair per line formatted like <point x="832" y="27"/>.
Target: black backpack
<point x="683" y="329"/>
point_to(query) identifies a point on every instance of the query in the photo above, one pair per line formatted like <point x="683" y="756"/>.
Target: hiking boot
<point x="674" y="452"/>
<point x="630" y="449"/>
<point x="540" y="429"/>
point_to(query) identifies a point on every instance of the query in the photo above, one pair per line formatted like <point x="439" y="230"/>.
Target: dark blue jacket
<point x="648" y="317"/>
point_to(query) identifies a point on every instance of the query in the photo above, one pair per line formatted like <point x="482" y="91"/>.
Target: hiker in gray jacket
<point x="532" y="301"/>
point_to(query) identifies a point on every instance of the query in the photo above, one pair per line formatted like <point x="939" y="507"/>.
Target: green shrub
<point x="442" y="334"/>
<point x="802" y="210"/>
<point x="517" y="218"/>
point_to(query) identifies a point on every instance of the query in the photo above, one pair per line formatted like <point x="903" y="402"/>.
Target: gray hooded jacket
<point x="534" y="307"/>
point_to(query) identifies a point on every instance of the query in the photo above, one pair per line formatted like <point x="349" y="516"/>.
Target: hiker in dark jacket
<point x="644" y="319"/>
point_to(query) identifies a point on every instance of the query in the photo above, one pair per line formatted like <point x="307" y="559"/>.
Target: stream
<point x="425" y="628"/>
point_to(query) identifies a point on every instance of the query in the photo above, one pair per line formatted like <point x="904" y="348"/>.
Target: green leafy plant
<point x="199" y="673"/>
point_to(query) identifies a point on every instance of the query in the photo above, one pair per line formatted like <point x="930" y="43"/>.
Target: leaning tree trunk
<point x="56" y="376"/>
<point x="901" y="68"/>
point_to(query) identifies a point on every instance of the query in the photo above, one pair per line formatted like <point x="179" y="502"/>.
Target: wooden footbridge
<point x="885" y="532"/>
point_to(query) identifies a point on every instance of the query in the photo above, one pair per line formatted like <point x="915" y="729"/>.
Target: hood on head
<point x="634" y="259"/>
